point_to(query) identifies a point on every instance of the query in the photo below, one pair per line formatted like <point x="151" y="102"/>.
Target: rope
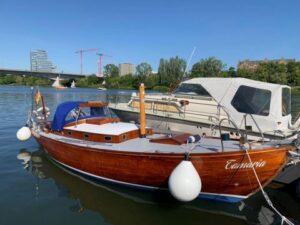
<point x="283" y="218"/>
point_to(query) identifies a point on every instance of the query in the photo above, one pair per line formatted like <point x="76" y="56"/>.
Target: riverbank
<point x="127" y="82"/>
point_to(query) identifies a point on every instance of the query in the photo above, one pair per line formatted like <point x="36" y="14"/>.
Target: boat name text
<point x="233" y="164"/>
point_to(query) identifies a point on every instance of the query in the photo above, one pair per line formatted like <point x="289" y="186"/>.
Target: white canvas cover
<point x="224" y="89"/>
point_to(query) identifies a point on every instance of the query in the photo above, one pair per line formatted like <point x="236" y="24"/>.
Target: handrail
<point x="256" y="124"/>
<point x="220" y="130"/>
<point x="215" y="118"/>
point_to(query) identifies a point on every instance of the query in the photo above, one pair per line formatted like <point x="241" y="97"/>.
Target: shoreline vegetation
<point x="171" y="72"/>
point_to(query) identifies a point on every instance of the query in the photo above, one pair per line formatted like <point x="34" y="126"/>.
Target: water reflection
<point x="119" y="205"/>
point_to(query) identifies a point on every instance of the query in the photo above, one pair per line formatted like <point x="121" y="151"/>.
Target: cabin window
<point x="286" y="101"/>
<point x="191" y="89"/>
<point x="69" y="133"/>
<point x="252" y="100"/>
<point x="107" y="138"/>
<point x="76" y="113"/>
<point x="124" y="137"/>
<point x="97" y="111"/>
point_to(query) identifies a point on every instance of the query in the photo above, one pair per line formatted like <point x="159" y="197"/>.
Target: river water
<point x="39" y="192"/>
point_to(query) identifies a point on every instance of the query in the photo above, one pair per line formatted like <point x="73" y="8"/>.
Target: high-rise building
<point x="39" y="61"/>
<point x="126" y="68"/>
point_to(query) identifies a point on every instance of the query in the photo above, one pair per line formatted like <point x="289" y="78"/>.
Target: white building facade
<point x="39" y="61"/>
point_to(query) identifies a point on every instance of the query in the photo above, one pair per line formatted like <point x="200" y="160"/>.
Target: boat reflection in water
<point x="119" y="205"/>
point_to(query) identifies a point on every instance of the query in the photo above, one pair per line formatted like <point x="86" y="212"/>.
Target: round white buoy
<point x="24" y="133"/>
<point x="184" y="182"/>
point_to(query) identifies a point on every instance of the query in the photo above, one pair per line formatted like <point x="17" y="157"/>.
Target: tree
<point x="92" y="79"/>
<point x="128" y="81"/>
<point x="171" y="71"/>
<point x="293" y="73"/>
<point x="162" y="70"/>
<point x="151" y="81"/>
<point x="111" y="70"/>
<point x="246" y="73"/>
<point x="210" y="67"/>
<point x="231" y="72"/>
<point x="143" y="69"/>
<point x="272" y="72"/>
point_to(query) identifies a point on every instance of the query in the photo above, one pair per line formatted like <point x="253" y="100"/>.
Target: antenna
<point x="173" y="87"/>
<point x="189" y="61"/>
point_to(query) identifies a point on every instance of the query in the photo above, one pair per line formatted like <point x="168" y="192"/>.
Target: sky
<point x="136" y="31"/>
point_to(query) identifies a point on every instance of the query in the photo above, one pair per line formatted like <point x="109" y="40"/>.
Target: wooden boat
<point x="85" y="138"/>
<point x="108" y="199"/>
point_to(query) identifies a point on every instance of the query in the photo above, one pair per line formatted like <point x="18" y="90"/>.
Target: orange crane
<point x="100" y="63"/>
<point x="81" y="51"/>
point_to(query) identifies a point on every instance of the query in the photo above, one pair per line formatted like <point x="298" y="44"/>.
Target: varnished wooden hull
<point x="222" y="178"/>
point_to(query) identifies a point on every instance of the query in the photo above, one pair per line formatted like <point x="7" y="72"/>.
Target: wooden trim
<point x="93" y="104"/>
<point x="172" y="140"/>
<point x="96" y="121"/>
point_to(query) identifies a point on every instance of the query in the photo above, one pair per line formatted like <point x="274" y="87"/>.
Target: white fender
<point x="24" y="133"/>
<point x="184" y="182"/>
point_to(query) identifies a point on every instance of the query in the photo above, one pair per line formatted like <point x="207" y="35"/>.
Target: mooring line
<point x="283" y="218"/>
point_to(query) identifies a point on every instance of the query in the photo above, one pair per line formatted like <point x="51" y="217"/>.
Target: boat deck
<point x="205" y="145"/>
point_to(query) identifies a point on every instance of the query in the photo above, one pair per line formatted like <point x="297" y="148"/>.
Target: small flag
<point x="37" y="97"/>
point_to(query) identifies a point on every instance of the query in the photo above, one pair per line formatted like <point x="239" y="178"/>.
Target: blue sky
<point x="138" y="31"/>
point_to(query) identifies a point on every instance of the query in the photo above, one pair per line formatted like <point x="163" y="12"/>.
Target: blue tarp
<point x="61" y="113"/>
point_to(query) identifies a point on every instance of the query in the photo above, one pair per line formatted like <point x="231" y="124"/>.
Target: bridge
<point x="41" y="74"/>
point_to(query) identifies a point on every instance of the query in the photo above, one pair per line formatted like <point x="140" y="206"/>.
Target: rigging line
<point x="283" y="218"/>
<point x="236" y="171"/>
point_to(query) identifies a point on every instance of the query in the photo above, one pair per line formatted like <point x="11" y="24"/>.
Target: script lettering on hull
<point x="233" y="164"/>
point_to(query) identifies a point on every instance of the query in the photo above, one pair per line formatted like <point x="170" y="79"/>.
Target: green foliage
<point x="111" y="70"/>
<point x="295" y="91"/>
<point x="274" y="72"/>
<point x="8" y="79"/>
<point x="161" y="88"/>
<point x="231" y="72"/>
<point x="210" y="67"/>
<point x="143" y="69"/>
<point x="293" y="73"/>
<point x="89" y="81"/>
<point x="112" y="82"/>
<point x="151" y="81"/>
<point x="20" y="80"/>
<point x="128" y="81"/>
<point x="246" y="73"/>
<point x="171" y="71"/>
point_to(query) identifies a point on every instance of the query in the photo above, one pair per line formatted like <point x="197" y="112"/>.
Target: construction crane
<point x="81" y="51"/>
<point x="100" y="63"/>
